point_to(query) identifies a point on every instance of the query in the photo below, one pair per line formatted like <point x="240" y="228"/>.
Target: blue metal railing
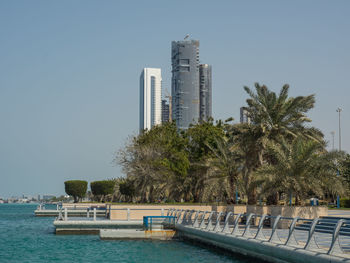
<point x="159" y="222"/>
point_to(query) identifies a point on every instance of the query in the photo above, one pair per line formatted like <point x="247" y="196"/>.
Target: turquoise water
<point x="25" y="238"/>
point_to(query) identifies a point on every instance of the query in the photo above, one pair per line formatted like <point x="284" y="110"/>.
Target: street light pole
<point x="338" y="173"/>
<point x="339" y="111"/>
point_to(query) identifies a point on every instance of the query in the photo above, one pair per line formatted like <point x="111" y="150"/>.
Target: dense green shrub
<point x="345" y="202"/>
<point x="76" y="188"/>
<point x="127" y="189"/>
<point x="102" y="188"/>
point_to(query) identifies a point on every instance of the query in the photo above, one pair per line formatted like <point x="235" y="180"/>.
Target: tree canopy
<point x="76" y="188"/>
<point x="102" y="188"/>
<point x="275" y="155"/>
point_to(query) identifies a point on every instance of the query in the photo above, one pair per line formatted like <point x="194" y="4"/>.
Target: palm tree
<point x="280" y="116"/>
<point x="225" y="164"/>
<point x="300" y="168"/>
<point x="276" y="118"/>
<point x="249" y="144"/>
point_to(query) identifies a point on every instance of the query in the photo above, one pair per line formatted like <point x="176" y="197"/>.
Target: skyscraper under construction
<point x="185" y="82"/>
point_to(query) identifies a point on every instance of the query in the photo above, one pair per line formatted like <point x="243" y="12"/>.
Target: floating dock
<point x="93" y="226"/>
<point x="122" y="234"/>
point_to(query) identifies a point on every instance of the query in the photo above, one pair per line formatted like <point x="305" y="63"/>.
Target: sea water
<point x="26" y="238"/>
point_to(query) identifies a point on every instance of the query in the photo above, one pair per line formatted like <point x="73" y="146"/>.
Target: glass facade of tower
<point x="185" y="82"/>
<point x="165" y="111"/>
<point x="205" y="97"/>
<point x="244" y="117"/>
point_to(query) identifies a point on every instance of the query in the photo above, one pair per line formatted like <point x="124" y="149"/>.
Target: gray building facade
<point x="205" y="91"/>
<point x="165" y="111"/>
<point x="185" y="82"/>
<point x="244" y="118"/>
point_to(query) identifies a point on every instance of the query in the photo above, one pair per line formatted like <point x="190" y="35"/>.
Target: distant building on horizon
<point x="185" y="82"/>
<point x="48" y="197"/>
<point x="165" y="111"/>
<point x="205" y="92"/>
<point x="244" y="117"/>
<point x="150" y="98"/>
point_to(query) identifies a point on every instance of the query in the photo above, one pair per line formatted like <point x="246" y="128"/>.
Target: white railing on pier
<point x="91" y="213"/>
<point x="329" y="236"/>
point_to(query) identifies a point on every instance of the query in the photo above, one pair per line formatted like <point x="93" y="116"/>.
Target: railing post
<point x="335" y="247"/>
<point x="209" y="220"/>
<point x="260" y="233"/>
<point x="247" y="225"/>
<point x="227" y="220"/>
<point x="291" y="240"/>
<point x="274" y="237"/>
<point x="217" y="225"/>
<point x="311" y="242"/>
<point x="65" y="214"/>
<point x="57" y="207"/>
<point x="60" y="215"/>
<point x="202" y="224"/>
<point x="174" y="213"/>
<point x="235" y="230"/>
<point x="179" y="216"/>
<point x="87" y="213"/>
<point x="189" y="217"/>
<point x="95" y="214"/>
<point x="162" y="212"/>
<point x="195" y="219"/>
<point x="128" y="214"/>
<point x="184" y="217"/>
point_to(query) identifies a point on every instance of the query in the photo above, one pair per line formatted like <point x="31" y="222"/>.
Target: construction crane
<point x="169" y="97"/>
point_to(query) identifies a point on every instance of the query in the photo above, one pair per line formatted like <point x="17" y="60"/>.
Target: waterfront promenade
<point x="300" y="240"/>
<point x="325" y="239"/>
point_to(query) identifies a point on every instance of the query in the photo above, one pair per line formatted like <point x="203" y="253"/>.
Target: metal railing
<point x="42" y="206"/>
<point x="158" y="222"/>
<point x="322" y="235"/>
<point x="90" y="213"/>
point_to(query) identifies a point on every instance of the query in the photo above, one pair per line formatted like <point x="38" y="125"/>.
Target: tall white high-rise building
<point x="150" y="98"/>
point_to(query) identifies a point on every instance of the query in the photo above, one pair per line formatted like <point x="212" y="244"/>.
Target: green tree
<point x="248" y="141"/>
<point x="281" y="116"/>
<point x="202" y="141"/>
<point x="275" y="118"/>
<point x="157" y="163"/>
<point x="301" y="169"/>
<point x="76" y="188"/>
<point x="102" y="188"/>
<point x="127" y="189"/>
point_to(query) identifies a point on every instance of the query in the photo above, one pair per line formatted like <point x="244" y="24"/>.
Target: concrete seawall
<point x="257" y="248"/>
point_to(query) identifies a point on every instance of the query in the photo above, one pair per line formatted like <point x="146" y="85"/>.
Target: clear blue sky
<point x="69" y="73"/>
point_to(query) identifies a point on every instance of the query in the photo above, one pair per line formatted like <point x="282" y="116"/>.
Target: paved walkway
<point x="339" y="213"/>
<point x="323" y="240"/>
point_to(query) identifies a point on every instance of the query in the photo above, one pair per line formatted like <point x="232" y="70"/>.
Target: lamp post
<point x="339" y="111"/>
